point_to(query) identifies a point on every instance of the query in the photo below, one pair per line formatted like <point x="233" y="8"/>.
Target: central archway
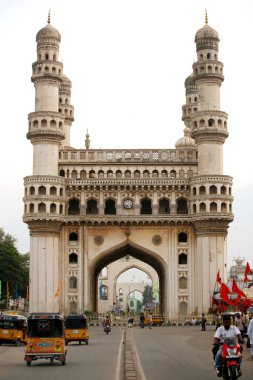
<point x="120" y="251"/>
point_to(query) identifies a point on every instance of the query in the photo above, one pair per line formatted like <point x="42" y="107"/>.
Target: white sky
<point x="127" y="61"/>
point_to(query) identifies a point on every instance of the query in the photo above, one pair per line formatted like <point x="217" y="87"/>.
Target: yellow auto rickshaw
<point x="45" y="338"/>
<point x="76" y="329"/>
<point x="12" y="329"/>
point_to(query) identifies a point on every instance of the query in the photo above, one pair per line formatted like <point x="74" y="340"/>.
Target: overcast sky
<point x="127" y="61"/>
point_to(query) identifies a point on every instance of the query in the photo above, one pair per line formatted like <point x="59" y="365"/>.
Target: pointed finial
<point x="206" y="17"/>
<point x="48" y="17"/>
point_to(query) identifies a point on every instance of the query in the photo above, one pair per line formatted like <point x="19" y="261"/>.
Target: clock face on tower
<point x="128" y="203"/>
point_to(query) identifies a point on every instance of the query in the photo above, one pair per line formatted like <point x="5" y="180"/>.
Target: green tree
<point x="147" y="295"/>
<point x="14" y="267"/>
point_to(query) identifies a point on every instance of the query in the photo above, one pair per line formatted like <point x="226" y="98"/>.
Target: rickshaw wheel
<point x="29" y="364"/>
<point x="51" y="360"/>
<point x="87" y="342"/>
<point x="80" y="342"/>
<point x="63" y="362"/>
<point x="66" y="342"/>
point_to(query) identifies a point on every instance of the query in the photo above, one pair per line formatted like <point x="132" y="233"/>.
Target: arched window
<point x="202" y="190"/>
<point x="53" y="190"/>
<point x="182" y="206"/>
<point x="164" y="206"/>
<point x="223" y="207"/>
<point x="42" y="190"/>
<point x="31" y="208"/>
<point x="212" y="189"/>
<point x="223" y="190"/>
<point x="74" y="206"/>
<point x="61" y="209"/>
<point x="92" y="174"/>
<point x="41" y="207"/>
<point x="73" y="258"/>
<point x="118" y="174"/>
<point x="120" y="291"/>
<point x="182" y="259"/>
<point x="146" y="174"/>
<point x="52" y="208"/>
<point x="104" y="272"/>
<point x="82" y="174"/>
<point x="173" y="173"/>
<point x="182" y="237"/>
<point x="32" y="190"/>
<point x="183" y="310"/>
<point x="73" y="236"/>
<point x="164" y="174"/>
<point x="92" y="207"/>
<point x="110" y="208"/>
<point x="194" y="192"/>
<point x="74" y="174"/>
<point x="137" y="174"/>
<point x="73" y="282"/>
<point x="202" y="207"/>
<point x="211" y="123"/>
<point x="62" y="173"/>
<point x="109" y="174"/>
<point x="155" y="174"/>
<point x="104" y="293"/>
<point x="146" y="206"/>
<point x="127" y="174"/>
<point x="73" y="307"/>
<point x="194" y="208"/>
<point x="213" y="207"/>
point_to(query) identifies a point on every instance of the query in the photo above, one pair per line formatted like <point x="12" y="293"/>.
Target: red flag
<point x="236" y="290"/>
<point x="224" y="291"/>
<point x="218" y="279"/>
<point x="247" y="271"/>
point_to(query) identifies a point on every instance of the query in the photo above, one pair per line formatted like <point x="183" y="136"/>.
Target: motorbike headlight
<point x="231" y="351"/>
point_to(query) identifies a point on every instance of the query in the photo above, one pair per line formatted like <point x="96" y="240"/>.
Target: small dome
<point x="206" y="32"/>
<point x="190" y="81"/>
<point x="66" y="81"/>
<point x="48" y="32"/>
<point x="185" y="141"/>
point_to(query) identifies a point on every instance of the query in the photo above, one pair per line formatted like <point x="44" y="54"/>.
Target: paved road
<point x="165" y="353"/>
<point x="97" y="361"/>
<point x="183" y="353"/>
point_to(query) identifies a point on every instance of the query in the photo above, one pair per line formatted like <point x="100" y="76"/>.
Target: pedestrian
<point x="250" y="336"/>
<point x="142" y="320"/>
<point x="203" y="322"/>
<point x="150" y="320"/>
<point x="239" y="323"/>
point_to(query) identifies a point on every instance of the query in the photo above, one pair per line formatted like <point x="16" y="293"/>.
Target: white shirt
<point x="221" y="333"/>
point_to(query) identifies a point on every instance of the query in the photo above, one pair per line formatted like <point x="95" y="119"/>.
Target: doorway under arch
<point x="118" y="252"/>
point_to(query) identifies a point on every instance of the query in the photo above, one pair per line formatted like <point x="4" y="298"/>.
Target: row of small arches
<point x="211" y="190"/>
<point x="208" y="56"/>
<point x="42" y="190"/>
<point x="212" y="207"/>
<point x="47" y="56"/>
<point x="74" y="174"/>
<point x="46" y="69"/>
<point x="44" y="123"/>
<point x="111" y="209"/>
<point x="209" y="69"/>
<point x="202" y="123"/>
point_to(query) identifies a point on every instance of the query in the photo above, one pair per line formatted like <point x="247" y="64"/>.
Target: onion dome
<point x="207" y="37"/>
<point x="48" y="33"/>
<point x="186" y="141"/>
<point x="190" y="81"/>
<point x="66" y="81"/>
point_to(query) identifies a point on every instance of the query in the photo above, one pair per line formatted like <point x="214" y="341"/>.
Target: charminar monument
<point x="86" y="208"/>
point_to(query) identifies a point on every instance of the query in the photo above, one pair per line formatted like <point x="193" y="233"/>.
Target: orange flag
<point x="224" y="291"/>
<point x="236" y="290"/>
<point x="218" y="279"/>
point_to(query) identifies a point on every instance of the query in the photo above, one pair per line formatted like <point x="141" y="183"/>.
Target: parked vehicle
<point x="76" y="329"/>
<point x="12" y="329"/>
<point x="45" y="338"/>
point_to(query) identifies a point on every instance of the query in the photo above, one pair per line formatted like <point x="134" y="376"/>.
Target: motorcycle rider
<point x="107" y="321"/>
<point x="225" y="331"/>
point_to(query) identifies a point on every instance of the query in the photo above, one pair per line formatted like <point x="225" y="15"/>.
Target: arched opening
<point x="182" y="259"/>
<point x="182" y="206"/>
<point x="164" y="206"/>
<point x="72" y="282"/>
<point x="110" y="208"/>
<point x="74" y="206"/>
<point x="117" y="253"/>
<point x="182" y="237"/>
<point x="73" y="307"/>
<point x="73" y="236"/>
<point x="73" y="258"/>
<point x="146" y="206"/>
<point x="92" y="207"/>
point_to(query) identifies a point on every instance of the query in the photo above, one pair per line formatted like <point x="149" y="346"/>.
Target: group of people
<point x="142" y="320"/>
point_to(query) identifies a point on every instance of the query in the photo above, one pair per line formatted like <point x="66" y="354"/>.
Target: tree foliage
<point x="147" y="295"/>
<point x="14" y="267"/>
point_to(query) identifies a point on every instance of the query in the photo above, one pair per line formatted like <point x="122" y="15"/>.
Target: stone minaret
<point x="211" y="191"/>
<point x="44" y="190"/>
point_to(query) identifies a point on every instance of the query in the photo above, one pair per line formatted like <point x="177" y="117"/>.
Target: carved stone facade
<point x="87" y="208"/>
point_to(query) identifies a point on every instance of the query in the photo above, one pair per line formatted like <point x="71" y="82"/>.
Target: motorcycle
<point x="230" y="359"/>
<point x="107" y="329"/>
